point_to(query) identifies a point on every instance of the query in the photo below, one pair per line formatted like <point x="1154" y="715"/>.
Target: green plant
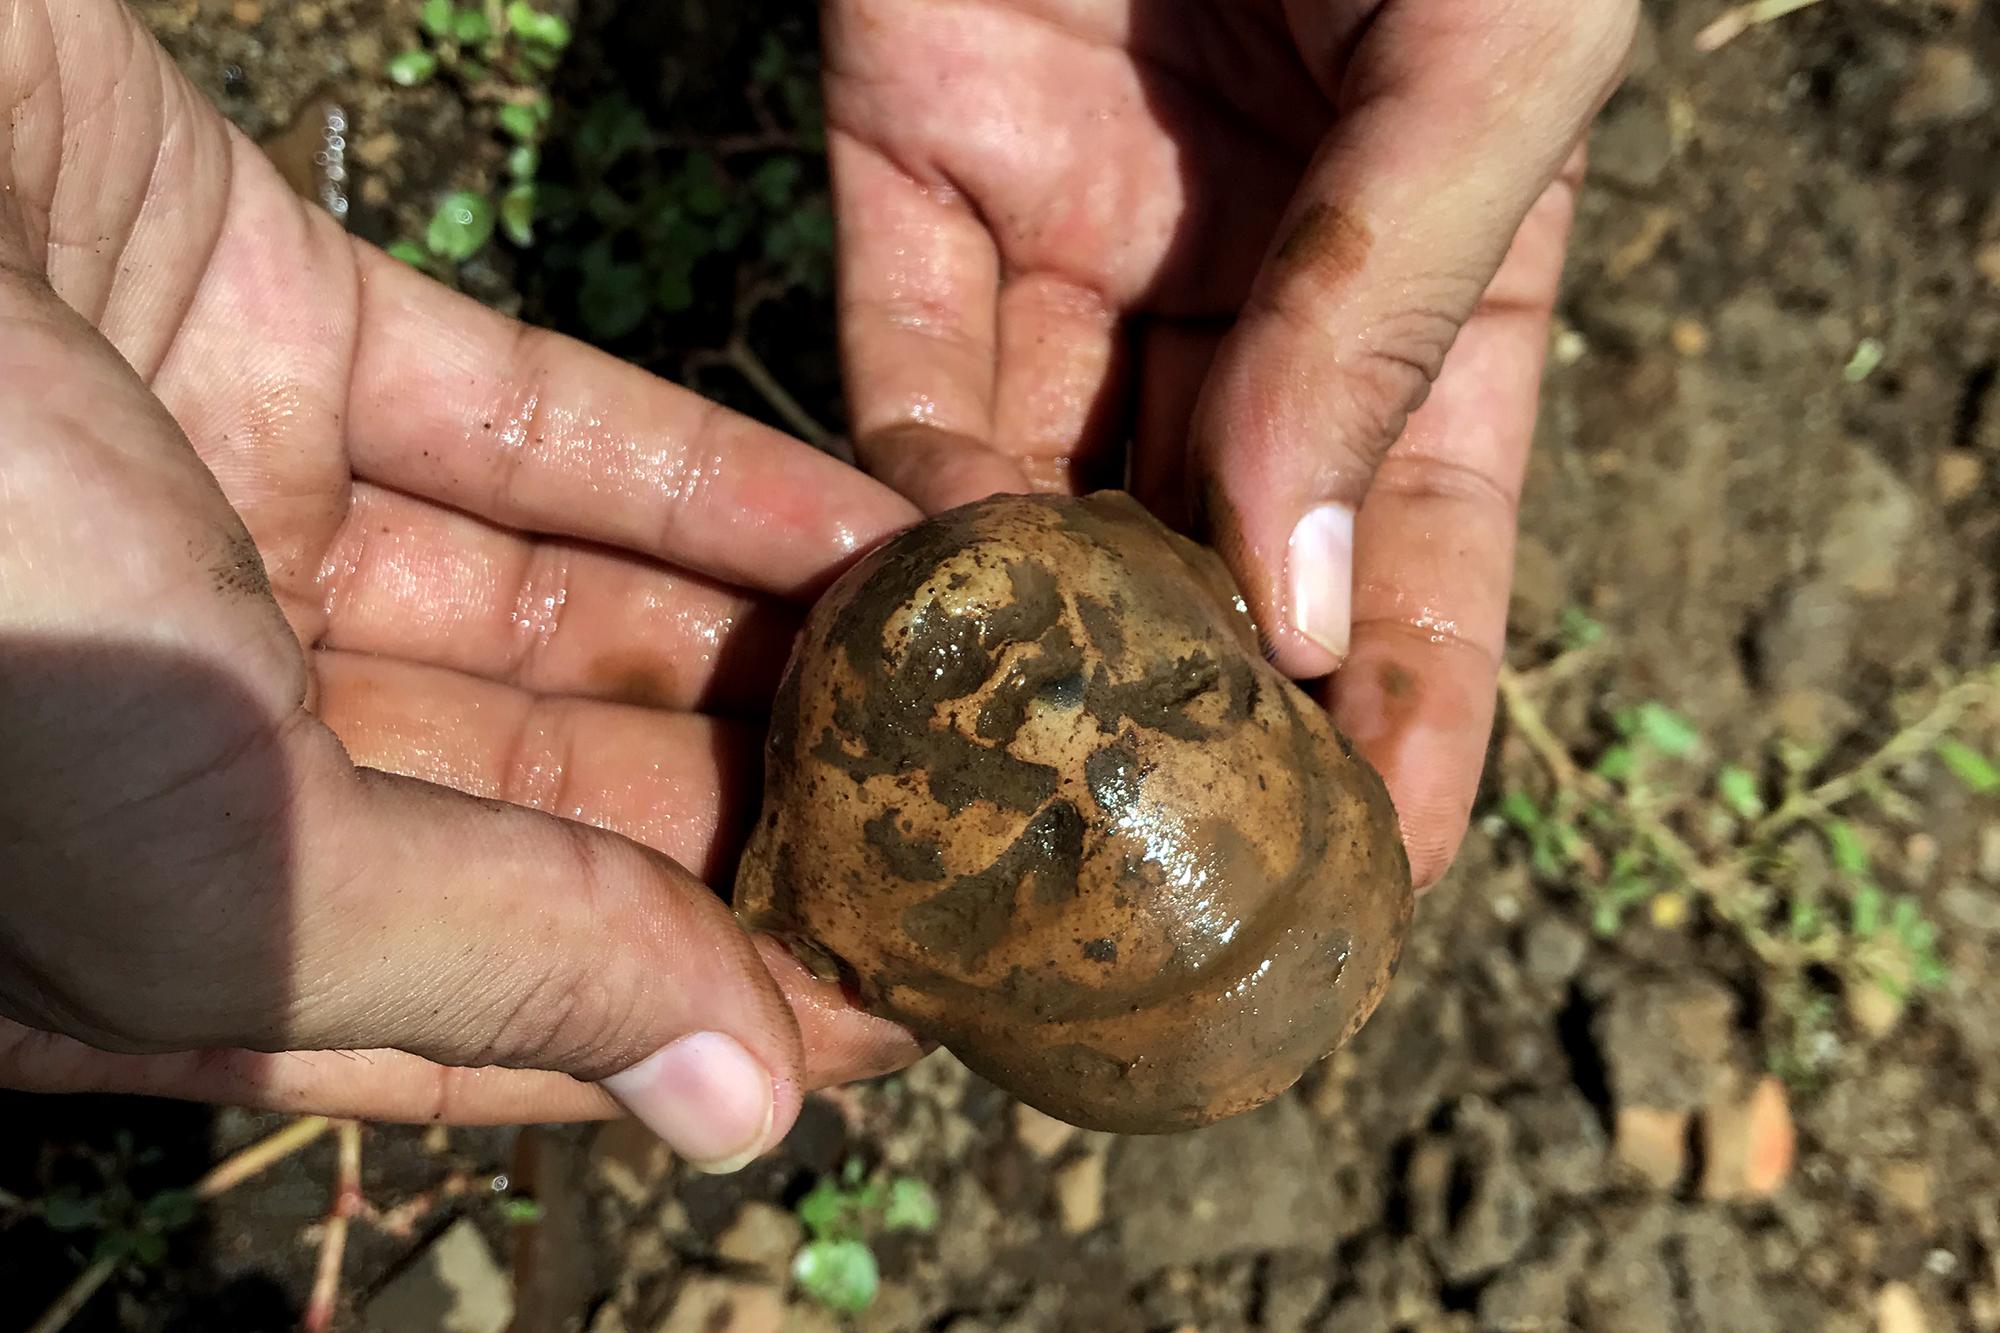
<point x="836" y="1265"/>
<point x="500" y="55"/>
<point x="1779" y="848"/>
<point x="118" y="1224"/>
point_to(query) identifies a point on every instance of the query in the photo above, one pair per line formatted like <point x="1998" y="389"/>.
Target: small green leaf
<point x="701" y="186"/>
<point x="461" y="226"/>
<point x="673" y="291"/>
<point x="1906" y="919"/>
<point x="1578" y="629"/>
<point x="1865" y="912"/>
<point x="839" y="1274"/>
<point x="523" y="162"/>
<point x="410" y="253"/>
<point x="1664" y="730"/>
<point x="1615" y="764"/>
<point x="1805" y="919"/>
<point x="67" y="1210"/>
<point x="1868" y="355"/>
<point x="1519" y="809"/>
<point x="613" y="299"/>
<point x="517" y="215"/>
<point x="825" y="1211"/>
<point x="911" y="1206"/>
<point x="1980" y="774"/>
<point x="437" y="18"/>
<point x="777" y="180"/>
<point x="469" y="27"/>
<point x="519" y="1212"/>
<point x="1606" y="917"/>
<point x="547" y="31"/>
<point x="1844" y="846"/>
<point x="1737" y="789"/>
<point x="171" y="1210"/>
<point x="412" y="67"/>
<point x="520" y="121"/>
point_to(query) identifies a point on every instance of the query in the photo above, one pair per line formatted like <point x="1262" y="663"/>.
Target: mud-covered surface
<point x="1769" y="468"/>
<point x="1108" y="858"/>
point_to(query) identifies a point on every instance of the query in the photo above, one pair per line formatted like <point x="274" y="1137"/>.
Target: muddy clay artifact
<point x="1033" y="791"/>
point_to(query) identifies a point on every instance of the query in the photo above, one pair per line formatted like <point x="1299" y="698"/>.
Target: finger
<point x="919" y="278"/>
<point x="408" y="579"/>
<point x="476" y="933"/>
<point x="843" y="1044"/>
<point x="680" y="783"/>
<point x="1175" y="357"/>
<point x="1441" y="147"/>
<point x="1059" y="398"/>
<point x="456" y="403"/>
<point x="1434" y="554"/>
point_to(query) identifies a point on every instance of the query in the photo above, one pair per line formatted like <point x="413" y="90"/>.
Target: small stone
<point x="630" y="1160"/>
<point x="375" y="150"/>
<point x="454" y="1287"/>
<point x="1871" y="1006"/>
<point x="1989" y="853"/>
<point x="1907" y="1185"/>
<point x="1079" y="1191"/>
<point x="1689" y="338"/>
<point x="1946" y="85"/>
<point x="1043" y="1136"/>
<point x="1666" y="1042"/>
<point x="1652" y="1142"/>
<point x="1987" y="261"/>
<point x="1749" y="1145"/>
<point x="247" y="13"/>
<point x="1897" y="1309"/>
<point x="764" y="1237"/>
<point x="1559" y="1139"/>
<point x="1632" y="143"/>
<point x="1233" y="1188"/>
<point x="1469" y="1200"/>
<point x="1554" y="950"/>
<point x="708" y="1304"/>
<point x="1958" y="473"/>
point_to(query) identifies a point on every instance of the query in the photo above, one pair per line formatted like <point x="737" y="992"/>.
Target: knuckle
<point x="1383" y="383"/>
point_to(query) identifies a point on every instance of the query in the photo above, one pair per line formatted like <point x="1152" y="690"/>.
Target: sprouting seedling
<point x="836" y="1265"/>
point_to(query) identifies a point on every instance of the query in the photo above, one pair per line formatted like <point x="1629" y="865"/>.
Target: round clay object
<point x="1033" y="791"/>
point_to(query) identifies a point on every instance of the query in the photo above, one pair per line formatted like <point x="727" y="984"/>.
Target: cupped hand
<point x="1221" y="251"/>
<point x="293" y="542"/>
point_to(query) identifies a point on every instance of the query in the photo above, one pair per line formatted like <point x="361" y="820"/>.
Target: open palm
<point x="273" y="506"/>
<point x="1218" y="251"/>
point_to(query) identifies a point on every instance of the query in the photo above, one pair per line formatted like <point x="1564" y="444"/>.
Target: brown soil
<point x="1773" y="545"/>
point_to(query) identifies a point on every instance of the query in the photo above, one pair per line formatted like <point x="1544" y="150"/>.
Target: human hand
<point x="274" y="506"/>
<point x="1239" y="237"/>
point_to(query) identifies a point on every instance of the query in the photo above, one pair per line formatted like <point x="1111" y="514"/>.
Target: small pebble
<point x="1652" y="1143"/>
<point x="1043" y="1136"/>
<point x="1958" y="473"/>
<point x="1897" y="1310"/>
<point x="1749" y="1145"/>
<point x="1079" y="1190"/>
<point x="1689" y="338"/>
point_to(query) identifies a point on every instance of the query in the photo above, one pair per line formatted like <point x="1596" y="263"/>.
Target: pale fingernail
<point x="1322" y="572"/>
<point x="711" y="1100"/>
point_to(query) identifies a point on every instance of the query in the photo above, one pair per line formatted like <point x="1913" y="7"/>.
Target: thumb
<point x="476" y="934"/>
<point x="1450" y="126"/>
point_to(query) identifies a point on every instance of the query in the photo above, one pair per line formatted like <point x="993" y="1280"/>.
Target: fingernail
<point x="1322" y="574"/>
<point x="711" y="1100"/>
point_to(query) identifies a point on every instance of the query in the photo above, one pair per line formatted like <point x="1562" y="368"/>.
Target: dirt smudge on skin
<point x="1327" y="241"/>
<point x="635" y="678"/>
<point x="239" y="571"/>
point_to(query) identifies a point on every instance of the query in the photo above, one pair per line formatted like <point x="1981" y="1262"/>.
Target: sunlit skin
<point x="1243" y="236"/>
<point x="498" y="561"/>
<point x="324" y="591"/>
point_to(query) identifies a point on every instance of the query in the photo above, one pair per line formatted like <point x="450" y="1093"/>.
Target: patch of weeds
<point x="1781" y="848"/>
<point x="500" y="56"/>
<point x="836" y="1265"/>
<point x="650" y="222"/>
<point x="110" y="1222"/>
